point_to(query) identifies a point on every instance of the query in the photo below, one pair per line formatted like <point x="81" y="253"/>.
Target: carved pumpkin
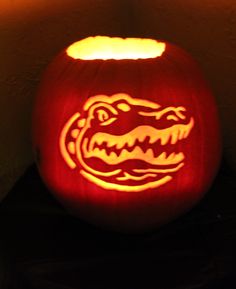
<point x="126" y="132"/>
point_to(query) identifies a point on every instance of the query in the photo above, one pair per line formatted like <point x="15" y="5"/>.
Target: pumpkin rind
<point x="152" y="136"/>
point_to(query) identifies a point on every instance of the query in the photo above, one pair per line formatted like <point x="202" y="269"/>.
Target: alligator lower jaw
<point x="137" y="155"/>
<point x="127" y="178"/>
<point x="125" y="187"/>
<point x="136" y="170"/>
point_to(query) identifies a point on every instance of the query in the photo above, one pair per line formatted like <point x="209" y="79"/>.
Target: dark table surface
<point x="43" y="247"/>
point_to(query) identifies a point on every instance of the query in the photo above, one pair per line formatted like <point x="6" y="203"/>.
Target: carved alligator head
<point x="124" y="143"/>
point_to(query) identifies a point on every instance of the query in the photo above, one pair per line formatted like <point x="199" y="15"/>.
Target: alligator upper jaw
<point x="113" y="149"/>
<point x="168" y="135"/>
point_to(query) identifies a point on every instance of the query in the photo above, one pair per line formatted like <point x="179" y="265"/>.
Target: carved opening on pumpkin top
<point x="104" y="48"/>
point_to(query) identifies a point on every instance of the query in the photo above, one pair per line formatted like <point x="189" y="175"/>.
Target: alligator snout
<point x="125" y="142"/>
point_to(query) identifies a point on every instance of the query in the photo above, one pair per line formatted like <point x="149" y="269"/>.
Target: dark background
<point x="43" y="247"/>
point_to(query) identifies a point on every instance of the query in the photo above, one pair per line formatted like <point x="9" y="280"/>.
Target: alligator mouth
<point x="144" y="158"/>
<point x="144" y="143"/>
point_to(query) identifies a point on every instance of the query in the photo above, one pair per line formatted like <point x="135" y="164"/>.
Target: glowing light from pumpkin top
<point x="104" y="47"/>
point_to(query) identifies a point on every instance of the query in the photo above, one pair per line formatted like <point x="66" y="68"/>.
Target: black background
<point x="43" y="247"/>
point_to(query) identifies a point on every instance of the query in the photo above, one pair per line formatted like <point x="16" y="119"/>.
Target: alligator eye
<point x="104" y="117"/>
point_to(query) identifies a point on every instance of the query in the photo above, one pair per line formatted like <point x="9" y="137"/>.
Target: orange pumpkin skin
<point x="104" y="134"/>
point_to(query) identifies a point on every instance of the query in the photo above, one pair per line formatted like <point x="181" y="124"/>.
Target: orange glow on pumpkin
<point x="93" y="140"/>
<point x="104" y="47"/>
<point x="128" y="144"/>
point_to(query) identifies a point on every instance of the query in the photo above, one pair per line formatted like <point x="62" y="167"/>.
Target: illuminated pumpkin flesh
<point x="134" y="160"/>
<point x="126" y="131"/>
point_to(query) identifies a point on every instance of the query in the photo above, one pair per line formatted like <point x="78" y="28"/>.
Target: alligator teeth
<point x="123" y="154"/>
<point x="141" y="133"/>
<point x="164" y="138"/>
<point x="113" y="155"/>
<point x="138" y="154"/>
<point x="179" y="157"/>
<point x="111" y="143"/>
<point x="153" y="138"/>
<point x="130" y="141"/>
<point x="188" y="128"/>
<point x="119" y="143"/>
<point x="96" y="151"/>
<point x="171" y="156"/>
<point x="141" y="137"/>
<point x="95" y="142"/>
<point x="162" y="156"/>
<point x="149" y="154"/>
<point x="186" y="133"/>
<point x="174" y="137"/>
<point x="181" y="134"/>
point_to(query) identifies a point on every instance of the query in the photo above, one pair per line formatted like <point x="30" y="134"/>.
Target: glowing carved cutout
<point x="133" y="159"/>
<point x="104" y="47"/>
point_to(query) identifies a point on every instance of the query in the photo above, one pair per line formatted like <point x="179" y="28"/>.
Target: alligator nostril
<point x="172" y="117"/>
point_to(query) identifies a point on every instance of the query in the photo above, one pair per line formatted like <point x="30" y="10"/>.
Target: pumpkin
<point x="126" y="132"/>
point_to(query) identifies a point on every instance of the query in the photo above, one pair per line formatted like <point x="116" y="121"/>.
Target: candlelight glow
<point x="104" y="47"/>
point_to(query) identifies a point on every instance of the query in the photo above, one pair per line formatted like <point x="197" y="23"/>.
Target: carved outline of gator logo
<point x="80" y="146"/>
